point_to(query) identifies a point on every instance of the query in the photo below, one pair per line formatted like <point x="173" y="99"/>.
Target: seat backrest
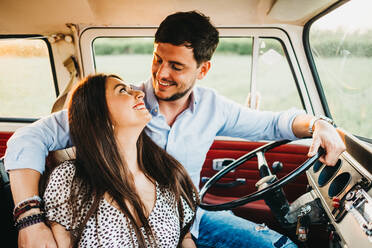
<point x="59" y="156"/>
<point x="7" y="228"/>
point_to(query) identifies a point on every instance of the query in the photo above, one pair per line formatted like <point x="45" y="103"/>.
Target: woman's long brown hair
<point x="100" y="169"/>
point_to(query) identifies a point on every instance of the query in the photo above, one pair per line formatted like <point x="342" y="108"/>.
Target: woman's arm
<point x="24" y="184"/>
<point x="61" y="235"/>
<point x="188" y="242"/>
<point x="25" y="161"/>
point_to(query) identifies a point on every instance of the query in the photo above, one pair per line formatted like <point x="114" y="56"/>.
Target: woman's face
<point x="126" y="106"/>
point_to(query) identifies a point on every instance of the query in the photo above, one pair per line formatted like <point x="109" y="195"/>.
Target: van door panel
<point x="4" y="136"/>
<point x="291" y="155"/>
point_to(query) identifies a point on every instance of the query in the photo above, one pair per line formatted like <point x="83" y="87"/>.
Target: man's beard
<point x="177" y="95"/>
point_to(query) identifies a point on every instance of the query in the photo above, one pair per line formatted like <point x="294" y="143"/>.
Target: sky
<point x="353" y="15"/>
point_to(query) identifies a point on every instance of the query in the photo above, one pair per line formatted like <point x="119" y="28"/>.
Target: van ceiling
<point x="50" y="16"/>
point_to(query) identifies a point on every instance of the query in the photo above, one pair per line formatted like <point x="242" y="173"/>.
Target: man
<point x="185" y="121"/>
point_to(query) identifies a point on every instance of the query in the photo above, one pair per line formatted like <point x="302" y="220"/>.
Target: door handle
<point x="220" y="163"/>
<point x="237" y="182"/>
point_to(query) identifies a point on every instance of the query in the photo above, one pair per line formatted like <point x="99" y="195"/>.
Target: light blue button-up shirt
<point x="188" y="139"/>
<point x="210" y="115"/>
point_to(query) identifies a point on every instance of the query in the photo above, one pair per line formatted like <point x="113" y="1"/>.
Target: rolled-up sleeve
<point x="251" y="124"/>
<point x="29" y="145"/>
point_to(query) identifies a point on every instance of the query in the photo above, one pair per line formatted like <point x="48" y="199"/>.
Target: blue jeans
<point x="223" y="229"/>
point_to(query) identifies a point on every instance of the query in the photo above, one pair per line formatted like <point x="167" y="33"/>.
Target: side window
<point x="341" y="45"/>
<point x="275" y="82"/>
<point x="27" y="87"/>
<point x="231" y="69"/>
<point x="130" y="58"/>
<point x="230" y="72"/>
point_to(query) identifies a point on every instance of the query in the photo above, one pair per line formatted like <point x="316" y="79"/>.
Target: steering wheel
<point x="271" y="185"/>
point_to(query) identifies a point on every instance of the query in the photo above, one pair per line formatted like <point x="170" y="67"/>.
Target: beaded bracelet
<point x="30" y="220"/>
<point x="24" y="209"/>
<point x="35" y="199"/>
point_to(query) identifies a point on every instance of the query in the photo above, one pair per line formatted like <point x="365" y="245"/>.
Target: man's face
<point x="174" y="71"/>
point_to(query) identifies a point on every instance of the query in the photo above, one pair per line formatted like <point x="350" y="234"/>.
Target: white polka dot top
<point x="111" y="228"/>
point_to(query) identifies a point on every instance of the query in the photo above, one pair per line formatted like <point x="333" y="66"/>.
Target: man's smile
<point x="164" y="84"/>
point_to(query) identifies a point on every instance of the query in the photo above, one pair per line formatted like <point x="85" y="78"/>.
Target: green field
<point x="26" y="87"/>
<point x="229" y="75"/>
<point x="348" y="88"/>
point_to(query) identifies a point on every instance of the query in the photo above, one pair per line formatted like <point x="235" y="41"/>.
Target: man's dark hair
<point x="192" y="29"/>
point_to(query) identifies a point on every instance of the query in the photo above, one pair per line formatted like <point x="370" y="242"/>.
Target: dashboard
<point x="345" y="193"/>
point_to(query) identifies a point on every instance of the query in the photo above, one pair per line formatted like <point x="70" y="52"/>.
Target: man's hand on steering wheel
<point x="327" y="137"/>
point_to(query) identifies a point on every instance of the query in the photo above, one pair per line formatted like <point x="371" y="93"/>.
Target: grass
<point x="348" y="92"/>
<point x="324" y="41"/>
<point x="26" y="85"/>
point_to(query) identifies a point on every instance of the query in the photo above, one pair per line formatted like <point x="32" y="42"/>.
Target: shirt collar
<point x="194" y="100"/>
<point x="152" y="103"/>
<point x="150" y="99"/>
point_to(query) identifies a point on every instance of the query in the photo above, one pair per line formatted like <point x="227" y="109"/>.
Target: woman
<point x="122" y="190"/>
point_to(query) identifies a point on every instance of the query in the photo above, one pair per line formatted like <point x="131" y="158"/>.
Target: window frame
<point x="52" y="67"/>
<point x="88" y="35"/>
<point x="310" y="58"/>
<point x="291" y="67"/>
<point x="311" y="61"/>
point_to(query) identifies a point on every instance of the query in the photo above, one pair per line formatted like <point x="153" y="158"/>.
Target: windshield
<point x="341" y="45"/>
